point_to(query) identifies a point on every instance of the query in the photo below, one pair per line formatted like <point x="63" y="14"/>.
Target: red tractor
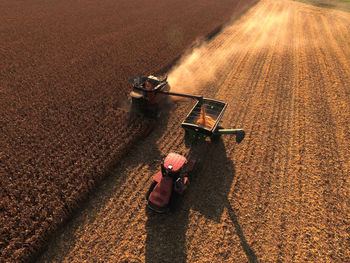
<point x="169" y="184"/>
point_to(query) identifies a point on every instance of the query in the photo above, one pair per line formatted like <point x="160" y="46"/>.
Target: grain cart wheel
<point x="188" y="138"/>
<point x="153" y="184"/>
<point x="216" y="136"/>
<point x="195" y="169"/>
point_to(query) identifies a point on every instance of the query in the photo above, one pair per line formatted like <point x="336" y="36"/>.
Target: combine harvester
<point x="171" y="181"/>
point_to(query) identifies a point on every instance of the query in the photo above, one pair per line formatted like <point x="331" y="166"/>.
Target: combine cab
<point x="148" y="94"/>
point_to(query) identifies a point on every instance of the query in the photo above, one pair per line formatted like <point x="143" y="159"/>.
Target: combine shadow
<point x="208" y="194"/>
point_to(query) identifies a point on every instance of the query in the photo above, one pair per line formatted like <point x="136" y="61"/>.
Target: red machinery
<point x="169" y="184"/>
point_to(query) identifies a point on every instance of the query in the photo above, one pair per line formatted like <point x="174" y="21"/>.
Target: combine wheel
<point x="137" y="106"/>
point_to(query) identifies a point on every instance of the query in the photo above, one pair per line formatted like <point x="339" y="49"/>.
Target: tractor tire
<point x="188" y="139"/>
<point x="153" y="184"/>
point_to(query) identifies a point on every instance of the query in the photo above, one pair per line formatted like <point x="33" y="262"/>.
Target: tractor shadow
<point x="208" y="195"/>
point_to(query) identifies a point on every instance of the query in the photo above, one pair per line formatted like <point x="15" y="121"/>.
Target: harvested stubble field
<point x="282" y="195"/>
<point x="63" y="68"/>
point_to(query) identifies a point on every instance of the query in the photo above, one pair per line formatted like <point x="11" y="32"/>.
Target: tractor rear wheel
<point x="153" y="184"/>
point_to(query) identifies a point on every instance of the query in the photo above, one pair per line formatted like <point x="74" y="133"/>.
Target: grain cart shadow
<point x="208" y="194"/>
<point x="247" y="249"/>
<point x="215" y="180"/>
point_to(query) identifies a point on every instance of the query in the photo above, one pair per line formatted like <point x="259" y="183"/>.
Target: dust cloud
<point x="193" y="71"/>
<point x="201" y="66"/>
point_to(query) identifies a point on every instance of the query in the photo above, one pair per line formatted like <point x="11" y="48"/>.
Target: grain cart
<point x="203" y="121"/>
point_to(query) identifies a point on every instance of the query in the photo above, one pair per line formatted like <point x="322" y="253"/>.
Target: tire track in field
<point x="336" y="89"/>
<point x="310" y="102"/>
<point x="252" y="101"/>
<point x="250" y="111"/>
<point x="338" y="93"/>
<point x="275" y="159"/>
<point x="256" y="71"/>
<point x="266" y="181"/>
<point x="225" y="92"/>
<point x="298" y="138"/>
<point x="280" y="194"/>
<point x="328" y="159"/>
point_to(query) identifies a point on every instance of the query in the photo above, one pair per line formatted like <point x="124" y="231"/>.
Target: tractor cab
<point x="169" y="183"/>
<point x="173" y="165"/>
